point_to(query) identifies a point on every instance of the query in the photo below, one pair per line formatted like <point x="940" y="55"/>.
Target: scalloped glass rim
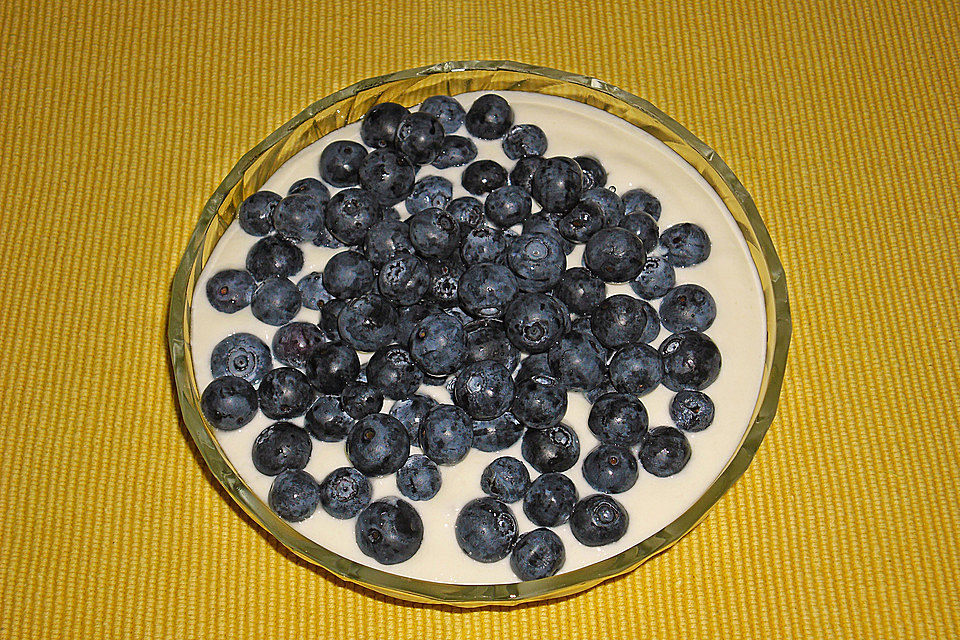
<point x="411" y="87"/>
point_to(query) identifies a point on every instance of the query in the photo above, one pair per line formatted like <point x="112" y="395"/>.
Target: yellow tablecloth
<point x="118" y="120"/>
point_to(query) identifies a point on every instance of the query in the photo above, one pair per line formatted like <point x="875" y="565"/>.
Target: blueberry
<point x="274" y="256"/>
<point x="445" y="283"/>
<point x="312" y="294"/>
<point x="692" y="410"/>
<point x="652" y="329"/>
<point x="388" y="175"/>
<point x="524" y="140"/>
<point x="557" y="184"/>
<point x="687" y="307"/>
<point x="326" y="420"/>
<point x="484" y="244"/>
<point x="645" y="227"/>
<point x="576" y="362"/>
<point x="430" y="191"/>
<point x="656" y="278"/>
<point x="340" y="163"/>
<point x="229" y="402"/>
<point x="483" y="176"/>
<point x="329" y="317"/>
<point x="664" y="452"/>
<point x="455" y="151"/>
<point x="580" y="290"/>
<point x="522" y="173"/>
<point x="438" y="344"/>
<point x="599" y="520"/>
<point x="535" y="322"/>
<point x="581" y="222"/>
<point x="489" y="118"/>
<point x="538" y="260"/>
<point x="368" y="322"/>
<point x="614" y="254"/>
<point x="487" y="340"/>
<point x="410" y="412"/>
<point x="636" y="369"/>
<point x="540" y="401"/>
<point x="293" y="343"/>
<point x="594" y="175"/>
<point x="507" y="206"/>
<point x="485" y="289"/>
<point x="393" y="371"/>
<point x="281" y="446"/>
<point x="332" y="366"/>
<point x="345" y="492"/>
<point x="361" y="399"/>
<point x="618" y="419"/>
<point x="242" y="355"/>
<point x="298" y="218"/>
<point x="685" y="244"/>
<point x="550" y="450"/>
<point x="446" y="434"/>
<point x="610" y="469"/>
<point x="325" y="238"/>
<point x="505" y="479"/>
<point x="639" y="201"/>
<point x="311" y="187"/>
<point x="348" y="275"/>
<point x="497" y="434"/>
<point x="434" y="233"/>
<point x="419" y="478"/>
<point x="285" y="393"/>
<point x="534" y="365"/>
<point x="389" y="530"/>
<point x="409" y="316"/>
<point x="605" y="387"/>
<point x="484" y="389"/>
<point x="276" y="301"/>
<point x="550" y="500"/>
<point x="450" y="112"/>
<point x="294" y="495"/>
<point x="486" y="529"/>
<point x="618" y="321"/>
<point x="378" y="128"/>
<point x="350" y="214"/>
<point x="419" y="136"/>
<point x="537" y="554"/>
<point x="609" y="202"/>
<point x="691" y="361"/>
<point x="467" y="211"/>
<point x="377" y="445"/>
<point x="385" y="241"/>
<point x="256" y="213"/>
<point x="582" y="325"/>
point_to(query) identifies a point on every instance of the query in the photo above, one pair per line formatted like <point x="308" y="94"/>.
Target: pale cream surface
<point x="632" y="159"/>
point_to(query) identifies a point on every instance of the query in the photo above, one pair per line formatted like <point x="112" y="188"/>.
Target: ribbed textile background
<point x="117" y="121"/>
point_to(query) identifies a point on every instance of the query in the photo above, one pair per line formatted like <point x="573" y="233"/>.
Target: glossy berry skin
<point x="329" y="315"/>
<point x="444" y="284"/>
<point x="282" y="445"/>
<point x="497" y="434"/>
<point x="580" y="290"/>
<point x="609" y="202"/>
<point x="430" y="191"/>
<point x="377" y="445"/>
<point x="540" y="223"/>
<point x="229" y="403"/>
<point x="535" y="322"/>
<point x="434" y="233"/>
<point x="310" y="187"/>
<point x="298" y="218"/>
<point x="636" y="369"/>
<point x="274" y="256"/>
<point x="294" y="495"/>
<point x="687" y="307"/>
<point x="386" y="240"/>
<point x="438" y="344"/>
<point x="656" y="278"/>
<point x="618" y="419"/>
<point x="533" y="365"/>
<point x="522" y="173"/>
<point x="486" y="289"/>
<point x="692" y="411"/>
<point x="378" y="128"/>
<point x="294" y="342"/>
<point x="537" y="554"/>
<point x="594" y="175"/>
<point x="685" y="244"/>
<point x="340" y="163"/>
<point x="326" y="420"/>
<point x="389" y="530"/>
<point x="639" y="201"/>
<point x="345" y="492"/>
<point x="350" y="214"/>
<point x="610" y="469"/>
<point x="368" y="322"/>
<point x="446" y="109"/>
<point x="551" y="450"/>
<point x="599" y="520"/>
<point x="404" y="280"/>
<point x="524" y="140"/>
<point x="581" y="222"/>
<point x="489" y="117"/>
<point x="276" y="301"/>
<point x="618" y="321"/>
<point x="467" y="211"/>
<point x="361" y="399"/>
<point x="348" y="275"/>
<point x="557" y="184"/>
<point x="256" y="213"/>
<point x="419" y="136"/>
<point x="664" y="452"/>
<point x="486" y="530"/>
<point x="485" y="244"/>
<point x="487" y="340"/>
<point x="691" y="361"/>
<point x="410" y="412"/>
<point x="388" y="175"/>
<point x="538" y="260"/>
<point x="505" y="479"/>
<point x="550" y="500"/>
<point x="285" y="393"/>
<point x="446" y="434"/>
<point x="484" y="390"/>
<point x="408" y="318"/>
<point x="455" y="151"/>
<point x="539" y="401"/>
<point x="242" y="355"/>
<point x="577" y="362"/>
<point x="312" y="294"/>
<point x="507" y="205"/>
<point x="393" y="371"/>
<point x="332" y="366"/>
<point x="645" y="227"/>
<point x="483" y="176"/>
<point x="614" y="255"/>
<point x="419" y="478"/>
<point x="652" y="330"/>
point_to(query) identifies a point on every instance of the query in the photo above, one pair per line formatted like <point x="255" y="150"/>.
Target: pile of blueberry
<point x="473" y="293"/>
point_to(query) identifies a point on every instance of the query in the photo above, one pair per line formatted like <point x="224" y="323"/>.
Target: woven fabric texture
<point x="119" y="119"/>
